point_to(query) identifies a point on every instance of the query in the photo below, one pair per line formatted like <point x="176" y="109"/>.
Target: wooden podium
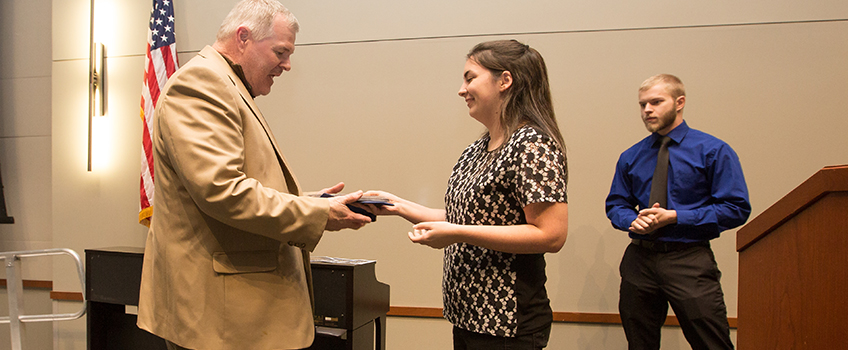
<point x="793" y="268"/>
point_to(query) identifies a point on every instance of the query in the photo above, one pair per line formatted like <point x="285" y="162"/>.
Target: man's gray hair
<point x="257" y="16"/>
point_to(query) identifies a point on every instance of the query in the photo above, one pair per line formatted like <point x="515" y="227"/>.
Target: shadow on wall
<point x="590" y="260"/>
<point x="598" y="254"/>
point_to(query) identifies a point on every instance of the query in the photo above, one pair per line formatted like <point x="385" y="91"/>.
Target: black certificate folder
<point x="376" y="200"/>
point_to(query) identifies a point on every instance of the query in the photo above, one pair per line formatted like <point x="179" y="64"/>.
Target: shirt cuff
<point x="685" y="217"/>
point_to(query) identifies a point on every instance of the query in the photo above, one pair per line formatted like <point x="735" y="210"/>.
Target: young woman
<point x="506" y="204"/>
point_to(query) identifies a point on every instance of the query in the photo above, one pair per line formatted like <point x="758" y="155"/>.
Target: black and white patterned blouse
<point x="487" y="291"/>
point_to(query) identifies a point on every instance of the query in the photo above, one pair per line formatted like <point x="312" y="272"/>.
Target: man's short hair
<point x="257" y="16"/>
<point x="673" y="85"/>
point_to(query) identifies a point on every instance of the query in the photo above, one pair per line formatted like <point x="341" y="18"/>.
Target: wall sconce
<point x="96" y="81"/>
<point x="97" y="104"/>
<point x="96" y="89"/>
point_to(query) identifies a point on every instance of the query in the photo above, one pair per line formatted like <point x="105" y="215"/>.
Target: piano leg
<point x="380" y="329"/>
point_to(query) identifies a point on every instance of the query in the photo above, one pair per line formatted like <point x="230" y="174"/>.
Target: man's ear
<point x="505" y="80"/>
<point x="680" y="102"/>
<point x="242" y="35"/>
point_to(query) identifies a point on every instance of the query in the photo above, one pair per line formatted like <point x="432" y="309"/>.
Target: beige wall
<point x="25" y="131"/>
<point x="25" y="142"/>
<point x="372" y="101"/>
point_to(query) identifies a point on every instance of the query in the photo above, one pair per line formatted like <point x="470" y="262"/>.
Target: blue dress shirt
<point x="705" y="186"/>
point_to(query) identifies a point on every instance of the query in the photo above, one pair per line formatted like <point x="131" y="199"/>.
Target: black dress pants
<point x="466" y="340"/>
<point x="685" y="276"/>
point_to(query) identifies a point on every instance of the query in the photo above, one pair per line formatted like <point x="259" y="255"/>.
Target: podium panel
<point x="793" y="260"/>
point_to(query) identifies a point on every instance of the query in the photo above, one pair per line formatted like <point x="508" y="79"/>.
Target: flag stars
<point x="162" y="24"/>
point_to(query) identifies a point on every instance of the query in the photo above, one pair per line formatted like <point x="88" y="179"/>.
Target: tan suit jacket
<point x="226" y="262"/>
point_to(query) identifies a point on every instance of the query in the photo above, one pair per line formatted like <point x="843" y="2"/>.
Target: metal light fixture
<point x="96" y="83"/>
<point x="98" y="80"/>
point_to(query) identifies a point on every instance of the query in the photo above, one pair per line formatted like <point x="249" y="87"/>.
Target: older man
<point x="226" y="263"/>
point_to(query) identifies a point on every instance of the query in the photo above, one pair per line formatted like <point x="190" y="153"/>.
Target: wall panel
<point x="372" y="101"/>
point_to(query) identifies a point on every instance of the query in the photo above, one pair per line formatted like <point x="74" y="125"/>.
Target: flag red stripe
<point x="147" y="144"/>
<point x="144" y="81"/>
<point x="152" y="83"/>
<point x="169" y="60"/>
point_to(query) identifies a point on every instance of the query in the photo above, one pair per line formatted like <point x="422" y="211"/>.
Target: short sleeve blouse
<point x="488" y="291"/>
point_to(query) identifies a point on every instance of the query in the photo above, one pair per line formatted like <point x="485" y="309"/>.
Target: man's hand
<point x="333" y="190"/>
<point x="329" y="190"/>
<point x="340" y="215"/>
<point x="653" y="218"/>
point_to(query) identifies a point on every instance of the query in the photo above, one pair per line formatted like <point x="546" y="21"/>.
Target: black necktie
<point x="659" y="184"/>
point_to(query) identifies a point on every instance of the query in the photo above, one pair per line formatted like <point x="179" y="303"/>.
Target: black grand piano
<point x="350" y="304"/>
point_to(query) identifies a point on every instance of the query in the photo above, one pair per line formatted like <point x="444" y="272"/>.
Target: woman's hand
<point x="382" y="209"/>
<point x="436" y="235"/>
<point x="411" y="211"/>
<point x="545" y="232"/>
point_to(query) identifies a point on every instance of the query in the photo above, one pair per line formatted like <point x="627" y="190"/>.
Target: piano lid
<point x="340" y="261"/>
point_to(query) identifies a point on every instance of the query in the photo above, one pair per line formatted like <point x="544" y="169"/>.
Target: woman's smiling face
<point x="481" y="91"/>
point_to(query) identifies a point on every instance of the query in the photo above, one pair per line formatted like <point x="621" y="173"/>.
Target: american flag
<point x="160" y="63"/>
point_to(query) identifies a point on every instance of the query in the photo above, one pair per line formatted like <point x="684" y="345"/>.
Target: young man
<point x="673" y="192"/>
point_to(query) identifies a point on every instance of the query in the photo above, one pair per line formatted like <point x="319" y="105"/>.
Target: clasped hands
<point x="652" y="219"/>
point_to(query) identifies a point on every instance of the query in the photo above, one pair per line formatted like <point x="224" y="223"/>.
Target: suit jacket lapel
<point x="291" y="181"/>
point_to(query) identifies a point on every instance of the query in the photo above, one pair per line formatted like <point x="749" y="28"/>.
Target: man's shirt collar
<point x="240" y="74"/>
<point x="677" y="134"/>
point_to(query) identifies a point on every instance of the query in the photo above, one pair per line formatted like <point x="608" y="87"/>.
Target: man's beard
<point x="663" y="121"/>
